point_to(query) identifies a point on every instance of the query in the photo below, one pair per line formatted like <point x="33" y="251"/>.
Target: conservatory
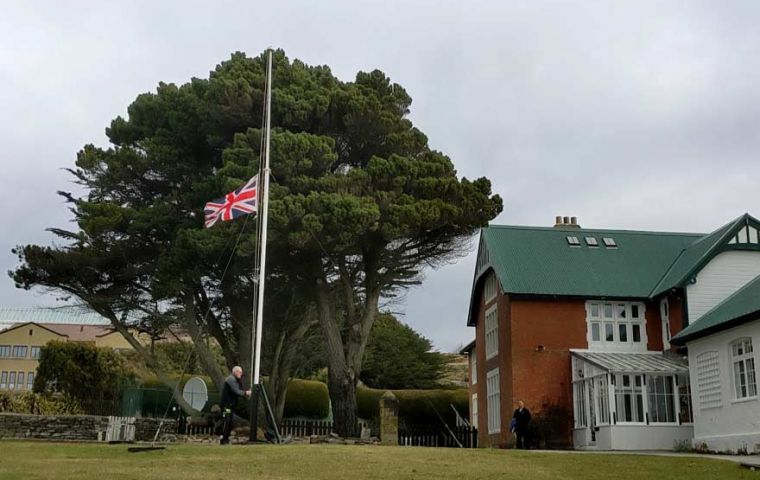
<point x="630" y="401"/>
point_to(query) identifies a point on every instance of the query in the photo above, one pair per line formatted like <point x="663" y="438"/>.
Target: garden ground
<point x="44" y="460"/>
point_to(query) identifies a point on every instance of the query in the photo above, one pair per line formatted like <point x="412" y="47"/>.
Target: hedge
<point x="307" y="398"/>
<point x="416" y="407"/>
<point x="38" y="404"/>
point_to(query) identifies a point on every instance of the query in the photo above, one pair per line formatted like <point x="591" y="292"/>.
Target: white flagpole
<point x="264" y="205"/>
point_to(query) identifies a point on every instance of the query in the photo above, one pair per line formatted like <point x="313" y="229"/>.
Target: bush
<point x="37" y="404"/>
<point x="307" y="398"/>
<point x="549" y="428"/>
<point x="416" y="407"/>
<point x="90" y="375"/>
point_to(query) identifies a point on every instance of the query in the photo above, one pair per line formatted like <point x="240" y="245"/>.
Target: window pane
<point x="609" y="330"/>
<point x="620" y="310"/>
<point x="636" y="332"/>
<point x="623" y="327"/>
<point x="607" y="310"/>
<point x="596" y="334"/>
<point x="751" y="382"/>
<point x="595" y="310"/>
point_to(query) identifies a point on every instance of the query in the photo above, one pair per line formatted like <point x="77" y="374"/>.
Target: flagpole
<point x="264" y="206"/>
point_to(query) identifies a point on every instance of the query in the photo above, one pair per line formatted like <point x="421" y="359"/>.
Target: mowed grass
<point x="43" y="460"/>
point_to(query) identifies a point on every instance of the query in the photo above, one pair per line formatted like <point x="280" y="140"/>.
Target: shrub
<point x="37" y="404"/>
<point x="549" y="427"/>
<point x="92" y="376"/>
<point x="416" y="407"/>
<point x="683" y="446"/>
<point x="307" y="398"/>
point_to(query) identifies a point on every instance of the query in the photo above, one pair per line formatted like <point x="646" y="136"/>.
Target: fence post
<point x="388" y="419"/>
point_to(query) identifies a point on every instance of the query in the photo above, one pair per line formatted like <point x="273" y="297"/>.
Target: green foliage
<point x="91" y="376"/>
<point x="416" y="407"/>
<point x="307" y="398"/>
<point x="38" y="404"/>
<point x="359" y="196"/>
<point x="397" y="357"/>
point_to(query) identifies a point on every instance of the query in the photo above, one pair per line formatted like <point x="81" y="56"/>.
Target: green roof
<point x="742" y="305"/>
<point x="693" y="258"/>
<point x="539" y="261"/>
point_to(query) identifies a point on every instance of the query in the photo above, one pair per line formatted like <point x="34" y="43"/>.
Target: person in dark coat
<point x="232" y="390"/>
<point x="521" y="421"/>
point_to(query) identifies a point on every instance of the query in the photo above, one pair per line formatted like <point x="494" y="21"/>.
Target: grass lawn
<point x="37" y="460"/>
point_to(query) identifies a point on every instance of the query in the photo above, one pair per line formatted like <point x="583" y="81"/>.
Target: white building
<point x="722" y="350"/>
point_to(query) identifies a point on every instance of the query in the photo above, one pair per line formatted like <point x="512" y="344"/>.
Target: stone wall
<point x="73" y="427"/>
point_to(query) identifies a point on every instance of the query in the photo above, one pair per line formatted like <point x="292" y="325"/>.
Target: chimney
<point x="566" y="222"/>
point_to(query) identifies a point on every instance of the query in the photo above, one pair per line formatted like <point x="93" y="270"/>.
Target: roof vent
<point x="560" y="221"/>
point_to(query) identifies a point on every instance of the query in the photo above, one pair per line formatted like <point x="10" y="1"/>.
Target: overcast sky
<point x="637" y="115"/>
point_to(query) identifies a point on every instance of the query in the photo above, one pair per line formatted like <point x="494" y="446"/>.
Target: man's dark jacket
<point x="522" y="419"/>
<point x="233" y="388"/>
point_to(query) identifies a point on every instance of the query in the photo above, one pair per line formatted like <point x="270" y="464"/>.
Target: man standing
<point x="232" y="390"/>
<point x="521" y="421"/>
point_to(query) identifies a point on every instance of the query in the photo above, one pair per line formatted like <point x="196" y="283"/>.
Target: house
<point x="581" y="321"/>
<point x="721" y="346"/>
<point x="20" y="347"/>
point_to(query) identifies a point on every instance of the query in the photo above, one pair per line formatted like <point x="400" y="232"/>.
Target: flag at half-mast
<point x="242" y="201"/>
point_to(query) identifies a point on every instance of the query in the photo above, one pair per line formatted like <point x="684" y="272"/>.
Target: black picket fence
<point x="305" y="428"/>
<point x="186" y="428"/>
<point x="438" y="436"/>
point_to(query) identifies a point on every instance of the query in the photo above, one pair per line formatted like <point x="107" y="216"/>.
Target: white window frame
<point x="667" y="380"/>
<point x="5" y="351"/>
<point x="665" y="318"/>
<point x="32" y="350"/>
<point x="747" y="360"/>
<point x="474" y="410"/>
<point x="30" y="380"/>
<point x="490" y="288"/>
<point x="616" y="317"/>
<point x="11" y="380"/>
<point x="473" y="367"/>
<point x="491" y="328"/>
<point x="634" y="391"/>
<point x="3" y="380"/>
<point x="579" y="404"/>
<point x="15" y="353"/>
<point x="493" y="393"/>
<point x="20" y="380"/>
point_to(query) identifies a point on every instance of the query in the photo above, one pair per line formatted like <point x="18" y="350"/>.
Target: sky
<point x="626" y="114"/>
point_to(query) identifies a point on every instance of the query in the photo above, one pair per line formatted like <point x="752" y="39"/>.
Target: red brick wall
<point x="543" y="332"/>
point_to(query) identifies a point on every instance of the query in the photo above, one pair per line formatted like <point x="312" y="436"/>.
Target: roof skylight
<point x="609" y="242"/>
<point x="592" y="242"/>
<point x="573" y="241"/>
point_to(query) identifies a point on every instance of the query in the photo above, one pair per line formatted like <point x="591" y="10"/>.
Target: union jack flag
<point x="242" y="201"/>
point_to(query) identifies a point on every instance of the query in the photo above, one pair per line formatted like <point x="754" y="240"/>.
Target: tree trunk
<point x="342" y="387"/>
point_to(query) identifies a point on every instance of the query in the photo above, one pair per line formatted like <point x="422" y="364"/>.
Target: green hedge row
<point x="307" y="398"/>
<point x="310" y="399"/>
<point x="416" y="407"/>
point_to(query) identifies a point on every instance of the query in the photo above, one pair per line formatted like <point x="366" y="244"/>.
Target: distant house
<point x="721" y="346"/>
<point x="582" y="320"/>
<point x="20" y="347"/>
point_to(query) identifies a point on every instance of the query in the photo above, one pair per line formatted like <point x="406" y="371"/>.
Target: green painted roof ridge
<point x="606" y="230"/>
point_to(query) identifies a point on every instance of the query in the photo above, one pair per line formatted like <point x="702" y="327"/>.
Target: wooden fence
<point x="438" y="436"/>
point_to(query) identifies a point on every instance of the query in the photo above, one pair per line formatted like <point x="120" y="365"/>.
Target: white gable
<point x="724" y="275"/>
